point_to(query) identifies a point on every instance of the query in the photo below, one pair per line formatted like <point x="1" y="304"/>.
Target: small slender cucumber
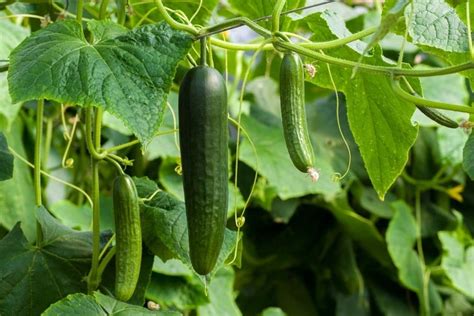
<point x="438" y="117"/>
<point x="293" y="114"/>
<point x="203" y="133"/>
<point x="128" y="237"/>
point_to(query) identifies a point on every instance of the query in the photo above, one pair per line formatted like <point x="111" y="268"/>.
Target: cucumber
<point x="203" y="136"/>
<point x="293" y="114"/>
<point x="437" y="116"/>
<point x="128" y="237"/>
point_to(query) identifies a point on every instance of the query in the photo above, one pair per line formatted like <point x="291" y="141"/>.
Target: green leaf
<point x="166" y="145"/>
<point x="389" y="20"/>
<point x="129" y="75"/>
<point x="342" y="261"/>
<point x="75" y="304"/>
<point x="401" y="237"/>
<point x="72" y="215"/>
<point x="221" y="295"/>
<point x="6" y="160"/>
<point x="458" y="258"/>
<point x="390" y="303"/>
<point x="379" y="120"/>
<point x="360" y="229"/>
<point x="12" y="35"/>
<point x="176" y="292"/>
<point x="98" y="305"/>
<point x="273" y="311"/>
<point x="451" y="143"/>
<point x="17" y="194"/>
<point x="468" y="157"/>
<point x="164" y="225"/>
<point x="40" y="275"/>
<point x="274" y="163"/>
<point x="435" y="24"/>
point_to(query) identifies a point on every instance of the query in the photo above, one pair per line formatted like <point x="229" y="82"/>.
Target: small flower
<point x="455" y="192"/>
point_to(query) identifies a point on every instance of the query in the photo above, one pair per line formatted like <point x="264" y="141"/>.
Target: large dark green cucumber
<point x="293" y="113"/>
<point x="128" y="237"/>
<point x="203" y="136"/>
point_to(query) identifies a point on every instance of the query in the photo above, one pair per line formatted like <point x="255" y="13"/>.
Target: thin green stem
<point x="47" y="141"/>
<point x="428" y="103"/>
<point x="372" y="68"/>
<point x="276" y="15"/>
<point x="103" y="9"/>
<point x="29" y="164"/>
<point x="424" y="306"/>
<point x="103" y="264"/>
<point x="121" y="12"/>
<point x="80" y="6"/>
<point x="115" y="164"/>
<point x="37" y="162"/>
<point x="136" y="141"/>
<point x="402" y="48"/>
<point x="172" y="22"/>
<point x="197" y="11"/>
<point x="38" y="141"/>
<point x="98" y="128"/>
<point x="64" y="162"/>
<point x="89" y="142"/>
<point x="321" y="45"/>
<point x="203" y="61"/>
<point x="469" y="36"/>
<point x="93" y="282"/>
<point x="204" y="32"/>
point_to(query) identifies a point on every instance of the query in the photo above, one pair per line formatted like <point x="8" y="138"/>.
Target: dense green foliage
<point x="386" y="230"/>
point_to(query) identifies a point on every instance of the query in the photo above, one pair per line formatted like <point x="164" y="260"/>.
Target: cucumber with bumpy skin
<point x="128" y="237"/>
<point x="293" y="114"/>
<point x="203" y="136"/>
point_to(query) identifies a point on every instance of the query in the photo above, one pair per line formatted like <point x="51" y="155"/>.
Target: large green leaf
<point x="17" y="194"/>
<point x="458" y="258"/>
<point x="39" y="275"/>
<point x="99" y="305"/>
<point x="435" y="24"/>
<point x="164" y="225"/>
<point x="12" y="35"/>
<point x="6" y="160"/>
<point x="360" y="229"/>
<point x="274" y="163"/>
<point x="128" y="75"/>
<point x="401" y="237"/>
<point x="221" y="295"/>
<point x="379" y="120"/>
<point x="174" y="284"/>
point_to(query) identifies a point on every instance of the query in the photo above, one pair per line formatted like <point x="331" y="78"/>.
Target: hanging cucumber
<point x="203" y="141"/>
<point x="128" y="237"/>
<point x="293" y="114"/>
<point x="438" y="117"/>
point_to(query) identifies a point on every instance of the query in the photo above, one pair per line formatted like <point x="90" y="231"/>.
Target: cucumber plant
<point x="87" y="57"/>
